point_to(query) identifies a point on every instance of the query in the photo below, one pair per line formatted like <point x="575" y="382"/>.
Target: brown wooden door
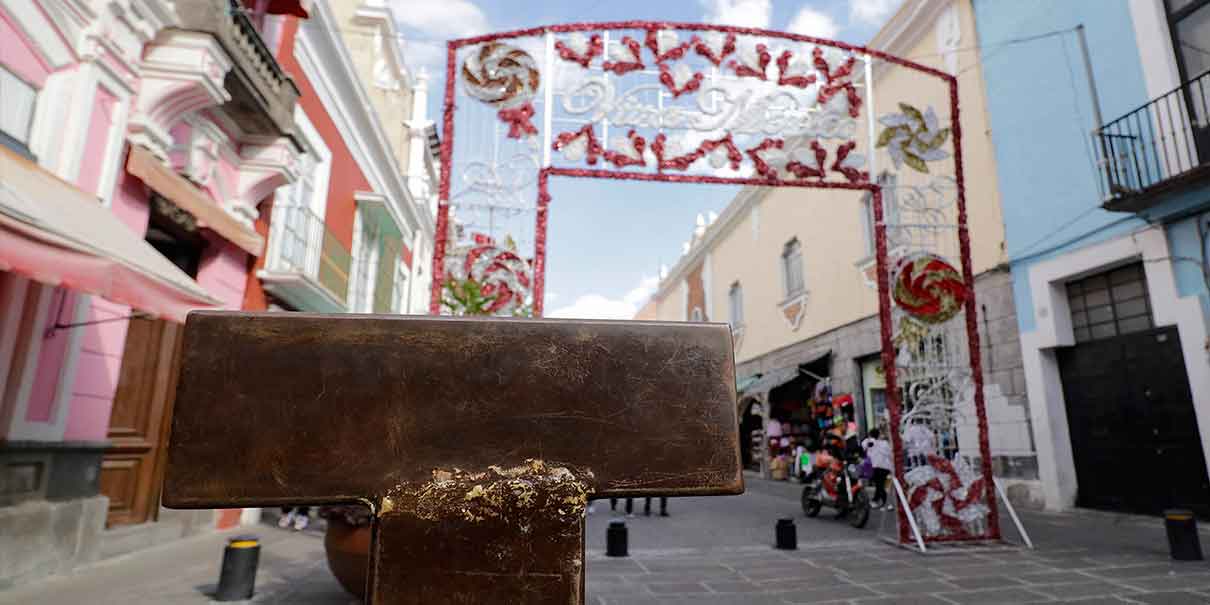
<point x="132" y="470"/>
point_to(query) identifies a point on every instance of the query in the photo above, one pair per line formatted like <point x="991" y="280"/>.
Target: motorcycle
<point x="836" y="482"/>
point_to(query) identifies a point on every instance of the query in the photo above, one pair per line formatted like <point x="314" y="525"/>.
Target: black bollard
<point x="615" y="539"/>
<point x="237" y="579"/>
<point x="1183" y="542"/>
<point x="787" y="535"/>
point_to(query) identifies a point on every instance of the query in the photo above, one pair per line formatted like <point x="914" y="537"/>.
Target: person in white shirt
<point x="879" y="452"/>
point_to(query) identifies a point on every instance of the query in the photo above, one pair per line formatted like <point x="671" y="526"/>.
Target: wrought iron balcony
<point x="1156" y="148"/>
<point x="306" y="266"/>
<point x="262" y="95"/>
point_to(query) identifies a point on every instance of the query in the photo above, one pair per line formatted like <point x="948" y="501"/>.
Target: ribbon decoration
<point x="518" y="120"/>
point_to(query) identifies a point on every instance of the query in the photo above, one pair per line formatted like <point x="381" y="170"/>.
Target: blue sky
<point x="607" y="239"/>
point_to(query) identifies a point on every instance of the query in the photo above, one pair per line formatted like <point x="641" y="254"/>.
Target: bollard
<point x="237" y="579"/>
<point x="787" y="535"/>
<point x="615" y="539"/>
<point x="1183" y="543"/>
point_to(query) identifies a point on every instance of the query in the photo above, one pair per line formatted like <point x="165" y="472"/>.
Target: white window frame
<point x="886" y="181"/>
<point x="10" y="77"/>
<point x="367" y="241"/>
<point x="786" y="261"/>
<point x="321" y="158"/>
<point x="399" y="291"/>
<point x="315" y="169"/>
<point x="735" y="299"/>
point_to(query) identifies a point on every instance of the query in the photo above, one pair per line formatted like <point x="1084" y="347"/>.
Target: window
<point x="1189" y="21"/>
<point x="791" y="268"/>
<point x="696" y="315"/>
<point x="1110" y="304"/>
<point x="367" y="240"/>
<point x="296" y="230"/>
<point x="887" y="182"/>
<point x="18" y="114"/>
<point x="736" y="297"/>
<point x="399" y="291"/>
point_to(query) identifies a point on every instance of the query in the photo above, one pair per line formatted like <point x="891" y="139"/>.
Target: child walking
<point x="878" y="450"/>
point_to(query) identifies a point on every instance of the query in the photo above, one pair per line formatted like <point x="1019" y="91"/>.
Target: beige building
<point x="399" y="96"/>
<point x="793" y="270"/>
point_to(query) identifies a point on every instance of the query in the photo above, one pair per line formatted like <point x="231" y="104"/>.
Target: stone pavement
<point x="716" y="551"/>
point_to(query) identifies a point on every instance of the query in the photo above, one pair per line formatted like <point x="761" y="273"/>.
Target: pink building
<point x="138" y="141"/>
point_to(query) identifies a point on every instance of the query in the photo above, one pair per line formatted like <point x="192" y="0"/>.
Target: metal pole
<point x="1097" y="122"/>
<point x="548" y="99"/>
<point x="871" y="121"/>
<point x="906" y="510"/>
<point x="1012" y="512"/>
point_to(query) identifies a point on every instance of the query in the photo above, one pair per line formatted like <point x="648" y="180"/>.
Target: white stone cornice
<point x="182" y="72"/>
<point x="264" y="168"/>
<point x="389" y="54"/>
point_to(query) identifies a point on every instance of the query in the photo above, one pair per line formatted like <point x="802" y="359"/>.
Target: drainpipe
<point x="1097" y="121"/>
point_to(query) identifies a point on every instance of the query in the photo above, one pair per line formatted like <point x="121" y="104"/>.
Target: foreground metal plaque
<point x="477" y="442"/>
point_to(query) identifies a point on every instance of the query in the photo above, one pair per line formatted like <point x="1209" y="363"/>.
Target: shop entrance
<point x="1134" y="433"/>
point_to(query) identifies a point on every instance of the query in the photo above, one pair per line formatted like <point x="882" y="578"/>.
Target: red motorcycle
<point x="836" y="482"/>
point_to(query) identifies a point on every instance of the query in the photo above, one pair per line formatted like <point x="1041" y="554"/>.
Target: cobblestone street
<point x="715" y="551"/>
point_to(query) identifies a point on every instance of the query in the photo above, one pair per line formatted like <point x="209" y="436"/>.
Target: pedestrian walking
<point x="613" y="507"/>
<point x="878" y="451"/>
<point x="297" y="516"/>
<point x="663" y="507"/>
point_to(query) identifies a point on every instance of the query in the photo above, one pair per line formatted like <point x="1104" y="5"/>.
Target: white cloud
<point x="810" y="22"/>
<point x="429" y="54"/>
<point x="441" y="19"/>
<point x="595" y="306"/>
<point x="740" y="13"/>
<point x="873" y="12"/>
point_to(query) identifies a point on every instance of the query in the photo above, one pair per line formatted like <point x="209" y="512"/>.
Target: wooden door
<point x="132" y="470"/>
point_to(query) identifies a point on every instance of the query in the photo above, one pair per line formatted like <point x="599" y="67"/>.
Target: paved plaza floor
<point x="716" y="551"/>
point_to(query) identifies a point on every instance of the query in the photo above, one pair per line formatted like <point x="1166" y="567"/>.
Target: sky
<point x="608" y="239"/>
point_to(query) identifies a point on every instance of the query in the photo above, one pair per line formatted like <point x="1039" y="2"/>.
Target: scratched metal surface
<point x="277" y="408"/>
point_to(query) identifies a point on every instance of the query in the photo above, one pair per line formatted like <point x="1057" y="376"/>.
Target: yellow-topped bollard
<point x="237" y="579"/>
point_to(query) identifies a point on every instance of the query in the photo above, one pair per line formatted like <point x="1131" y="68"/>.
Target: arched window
<point x="791" y="268"/>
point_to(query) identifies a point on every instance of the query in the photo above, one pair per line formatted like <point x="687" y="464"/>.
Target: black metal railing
<point x="1162" y="140"/>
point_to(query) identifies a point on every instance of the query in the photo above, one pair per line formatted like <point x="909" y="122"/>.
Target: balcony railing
<point x="306" y="265"/>
<point x="1159" y="144"/>
<point x="263" y="96"/>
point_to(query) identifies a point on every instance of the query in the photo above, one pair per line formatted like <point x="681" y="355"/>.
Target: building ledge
<point x="301" y="292"/>
<point x="262" y="95"/>
<point x="1135" y="201"/>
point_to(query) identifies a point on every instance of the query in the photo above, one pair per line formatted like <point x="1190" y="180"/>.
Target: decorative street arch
<point x="692" y="103"/>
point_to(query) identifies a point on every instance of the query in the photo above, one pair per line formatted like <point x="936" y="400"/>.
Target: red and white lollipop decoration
<point x="928" y="288"/>
<point x="500" y="272"/>
<point x="506" y="77"/>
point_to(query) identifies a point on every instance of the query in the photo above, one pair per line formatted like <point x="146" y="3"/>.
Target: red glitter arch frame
<point x="883" y="278"/>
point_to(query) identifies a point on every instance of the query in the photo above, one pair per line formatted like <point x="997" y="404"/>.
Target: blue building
<point x="1105" y="183"/>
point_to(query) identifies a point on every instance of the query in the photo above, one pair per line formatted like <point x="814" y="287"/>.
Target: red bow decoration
<point x="518" y="122"/>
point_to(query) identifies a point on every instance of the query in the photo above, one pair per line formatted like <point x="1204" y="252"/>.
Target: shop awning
<point x="744" y="383"/>
<point x="769" y="381"/>
<point x="54" y="233"/>
<point x="165" y="181"/>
